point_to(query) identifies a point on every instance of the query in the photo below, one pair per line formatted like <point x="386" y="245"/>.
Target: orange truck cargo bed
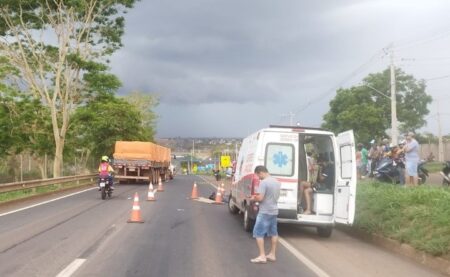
<point x="141" y="150"/>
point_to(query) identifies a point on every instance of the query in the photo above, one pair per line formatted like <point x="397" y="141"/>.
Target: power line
<point x="427" y="59"/>
<point x="437" y="78"/>
<point x="358" y="70"/>
<point x="417" y="42"/>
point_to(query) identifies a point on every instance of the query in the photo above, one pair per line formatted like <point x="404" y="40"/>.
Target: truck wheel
<point x="231" y="207"/>
<point x="248" y="222"/>
<point x="324" y="232"/>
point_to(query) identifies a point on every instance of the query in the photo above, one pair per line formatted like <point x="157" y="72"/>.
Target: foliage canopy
<point x="365" y="110"/>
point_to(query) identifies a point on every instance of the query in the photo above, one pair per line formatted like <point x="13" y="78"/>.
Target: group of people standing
<point x="405" y="155"/>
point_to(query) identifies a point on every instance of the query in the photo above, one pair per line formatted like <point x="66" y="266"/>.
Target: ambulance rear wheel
<point x="324" y="232"/>
<point x="248" y="222"/>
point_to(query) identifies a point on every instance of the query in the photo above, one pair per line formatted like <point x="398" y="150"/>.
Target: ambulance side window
<point x="279" y="159"/>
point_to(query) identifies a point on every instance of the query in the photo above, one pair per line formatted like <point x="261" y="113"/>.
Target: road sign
<point x="225" y="161"/>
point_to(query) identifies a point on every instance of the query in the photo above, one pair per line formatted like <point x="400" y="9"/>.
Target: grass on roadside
<point x="434" y="167"/>
<point x="20" y="194"/>
<point x="417" y="216"/>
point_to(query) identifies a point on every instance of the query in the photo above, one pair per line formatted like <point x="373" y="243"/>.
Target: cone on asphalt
<point x="136" y="211"/>
<point x="194" y="194"/>
<point x="151" y="193"/>
<point x="160" y="185"/>
<point x="222" y="189"/>
<point x="218" y="199"/>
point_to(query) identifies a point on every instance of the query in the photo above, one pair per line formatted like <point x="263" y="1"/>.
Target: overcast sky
<point x="228" y="68"/>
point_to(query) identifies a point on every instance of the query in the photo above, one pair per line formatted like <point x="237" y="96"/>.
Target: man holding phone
<point x="267" y="195"/>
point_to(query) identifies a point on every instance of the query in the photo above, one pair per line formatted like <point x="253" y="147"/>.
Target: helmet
<point x="105" y="158"/>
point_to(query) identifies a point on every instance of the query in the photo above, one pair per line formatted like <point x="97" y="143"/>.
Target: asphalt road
<point x="82" y="235"/>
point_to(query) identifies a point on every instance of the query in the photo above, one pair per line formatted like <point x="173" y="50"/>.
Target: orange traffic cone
<point x="160" y="185"/>
<point x="136" y="211"/>
<point x="151" y="193"/>
<point x="218" y="199"/>
<point x="194" y="194"/>
<point x="222" y="189"/>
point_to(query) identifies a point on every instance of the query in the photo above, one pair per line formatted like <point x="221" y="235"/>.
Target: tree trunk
<point x="40" y="162"/>
<point x="58" y="161"/>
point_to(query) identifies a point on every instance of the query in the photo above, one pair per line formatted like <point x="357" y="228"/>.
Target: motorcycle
<point x="388" y="171"/>
<point x="105" y="187"/>
<point x="445" y="173"/>
<point x="422" y="172"/>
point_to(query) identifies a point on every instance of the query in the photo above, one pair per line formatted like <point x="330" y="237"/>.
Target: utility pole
<point x="441" y="145"/>
<point x="394" y="132"/>
<point x="291" y="117"/>
<point x="192" y="155"/>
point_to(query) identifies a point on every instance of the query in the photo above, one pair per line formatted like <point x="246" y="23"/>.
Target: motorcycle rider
<point x="398" y="156"/>
<point x="105" y="170"/>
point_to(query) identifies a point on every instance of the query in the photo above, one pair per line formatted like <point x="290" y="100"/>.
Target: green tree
<point x="412" y="99"/>
<point x="55" y="45"/>
<point x="368" y="112"/>
<point x="24" y="127"/>
<point x="145" y="103"/>
<point x="102" y="122"/>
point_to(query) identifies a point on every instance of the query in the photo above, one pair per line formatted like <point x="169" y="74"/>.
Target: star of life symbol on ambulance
<point x="280" y="159"/>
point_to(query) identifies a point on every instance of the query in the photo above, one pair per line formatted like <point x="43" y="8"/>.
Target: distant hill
<point x="203" y="147"/>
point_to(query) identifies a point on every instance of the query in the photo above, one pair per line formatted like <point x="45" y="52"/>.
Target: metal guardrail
<point x="33" y="184"/>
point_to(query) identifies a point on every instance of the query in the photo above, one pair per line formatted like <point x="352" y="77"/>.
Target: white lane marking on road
<point x="45" y="202"/>
<point x="214" y="186"/>
<point x="71" y="268"/>
<point x="317" y="270"/>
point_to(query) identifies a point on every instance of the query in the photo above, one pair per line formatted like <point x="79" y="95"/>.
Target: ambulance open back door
<point x="345" y="190"/>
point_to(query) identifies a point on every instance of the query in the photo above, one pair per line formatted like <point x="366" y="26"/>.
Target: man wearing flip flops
<point x="266" y="220"/>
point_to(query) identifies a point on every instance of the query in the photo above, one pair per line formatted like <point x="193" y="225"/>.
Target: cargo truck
<point x="139" y="161"/>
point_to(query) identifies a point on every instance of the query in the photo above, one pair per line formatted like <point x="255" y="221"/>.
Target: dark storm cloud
<point x="226" y="51"/>
<point x="260" y="58"/>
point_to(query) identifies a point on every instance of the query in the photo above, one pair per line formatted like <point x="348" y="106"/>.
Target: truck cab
<point x="289" y="152"/>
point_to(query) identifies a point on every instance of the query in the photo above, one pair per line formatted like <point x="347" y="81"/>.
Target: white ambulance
<point x="284" y="151"/>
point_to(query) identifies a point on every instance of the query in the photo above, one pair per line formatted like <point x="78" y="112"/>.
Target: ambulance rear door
<point x="345" y="189"/>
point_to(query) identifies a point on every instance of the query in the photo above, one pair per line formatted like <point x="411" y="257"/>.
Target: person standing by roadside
<point x="373" y="157"/>
<point x="364" y="161"/>
<point x="411" y="159"/>
<point x="358" y="161"/>
<point x="399" y="158"/>
<point x="266" y="220"/>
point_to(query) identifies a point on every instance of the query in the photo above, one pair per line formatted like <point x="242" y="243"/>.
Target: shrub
<point x="417" y="216"/>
